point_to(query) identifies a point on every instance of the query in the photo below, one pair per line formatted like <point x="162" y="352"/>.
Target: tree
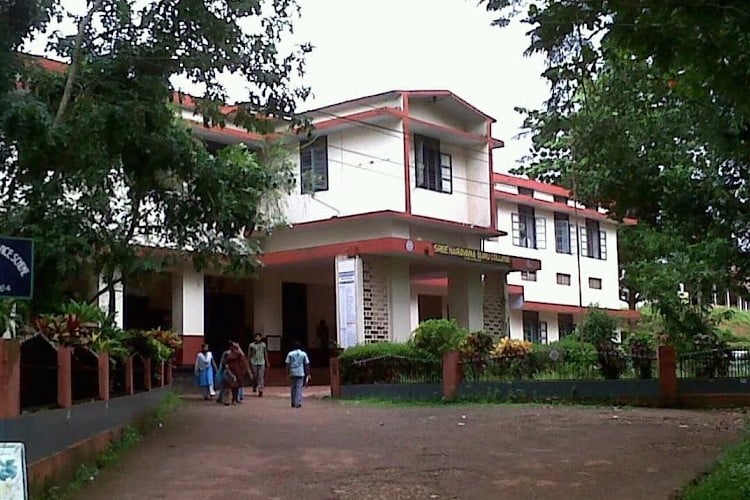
<point x="648" y="118"/>
<point x="100" y="167"/>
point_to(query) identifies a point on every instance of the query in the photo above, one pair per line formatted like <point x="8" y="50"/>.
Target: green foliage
<point x="597" y="327"/>
<point x="386" y="362"/>
<point x="476" y="345"/>
<point x="649" y="118"/>
<point x="378" y="349"/>
<point x="728" y="480"/>
<point x="93" y="161"/>
<point x="435" y="337"/>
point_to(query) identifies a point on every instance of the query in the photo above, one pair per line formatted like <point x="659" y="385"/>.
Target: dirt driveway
<point x="327" y="450"/>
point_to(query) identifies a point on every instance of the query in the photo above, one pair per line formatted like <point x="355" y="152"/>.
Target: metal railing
<point x="555" y="366"/>
<point x="391" y="370"/>
<point x="715" y="363"/>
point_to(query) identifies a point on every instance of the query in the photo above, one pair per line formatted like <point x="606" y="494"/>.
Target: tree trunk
<point x="110" y="287"/>
<point x="75" y="61"/>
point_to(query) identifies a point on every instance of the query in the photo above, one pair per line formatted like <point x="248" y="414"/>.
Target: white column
<point x="414" y="306"/>
<point x="104" y="298"/>
<point x="267" y="304"/>
<point x="188" y="303"/>
<point x="465" y="298"/>
<point x="399" y="297"/>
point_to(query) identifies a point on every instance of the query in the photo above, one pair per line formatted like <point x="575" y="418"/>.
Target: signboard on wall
<point x="13" y="471"/>
<point x="470" y="254"/>
<point x="348" y="298"/>
<point x="16" y="267"/>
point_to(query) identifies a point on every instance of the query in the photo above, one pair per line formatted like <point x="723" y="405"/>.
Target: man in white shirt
<point x="298" y="365"/>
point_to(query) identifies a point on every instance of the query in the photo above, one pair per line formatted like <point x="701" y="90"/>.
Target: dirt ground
<point x="264" y="449"/>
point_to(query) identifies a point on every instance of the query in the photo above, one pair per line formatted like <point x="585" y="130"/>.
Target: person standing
<point x="258" y="354"/>
<point x="205" y="370"/>
<point x="235" y="367"/>
<point x="298" y="365"/>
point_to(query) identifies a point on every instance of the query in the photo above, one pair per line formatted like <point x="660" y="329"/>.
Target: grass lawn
<point x="738" y="324"/>
<point x="729" y="479"/>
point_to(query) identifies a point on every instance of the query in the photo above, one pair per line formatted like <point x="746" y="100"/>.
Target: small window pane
<point x="595" y="283"/>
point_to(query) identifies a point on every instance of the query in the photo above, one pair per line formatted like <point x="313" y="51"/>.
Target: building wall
<point x="546" y="289"/>
<point x="516" y="325"/>
<point x="469" y="203"/>
<point x="493" y="304"/>
<point x="362" y="160"/>
<point x="376" y="301"/>
<point x="331" y="233"/>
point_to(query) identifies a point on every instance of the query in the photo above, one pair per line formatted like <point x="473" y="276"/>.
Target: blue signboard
<point x="16" y="267"/>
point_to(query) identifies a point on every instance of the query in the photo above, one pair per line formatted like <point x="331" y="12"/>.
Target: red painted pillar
<point x="451" y="374"/>
<point x="335" y="378"/>
<point x="147" y="374"/>
<point x="10" y="378"/>
<point x="668" y="375"/>
<point x="129" y="386"/>
<point x="64" y="377"/>
<point x="103" y="365"/>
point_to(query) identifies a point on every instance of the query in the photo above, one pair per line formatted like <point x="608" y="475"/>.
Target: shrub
<point x="477" y="345"/>
<point x="508" y="347"/>
<point x="598" y="328"/>
<point x="435" y="337"/>
<point x="641" y="347"/>
<point x="390" y="361"/>
<point x="568" y="358"/>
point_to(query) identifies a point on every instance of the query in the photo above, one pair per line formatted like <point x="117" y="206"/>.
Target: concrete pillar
<point x="64" y="377"/>
<point x="399" y="297"/>
<point x="147" y="366"/>
<point x="103" y="368"/>
<point x="10" y="378"/>
<point x="465" y="297"/>
<point x="129" y="385"/>
<point x="667" y="358"/>
<point x="103" y="299"/>
<point x="494" y="304"/>
<point x="414" y="306"/>
<point x="451" y="374"/>
<point x="188" y="312"/>
<point x="267" y="305"/>
<point x="335" y="378"/>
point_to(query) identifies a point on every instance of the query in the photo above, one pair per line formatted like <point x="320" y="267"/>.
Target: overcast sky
<point x="363" y="47"/>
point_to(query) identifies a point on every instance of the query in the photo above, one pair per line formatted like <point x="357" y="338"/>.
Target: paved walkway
<point x="263" y="449"/>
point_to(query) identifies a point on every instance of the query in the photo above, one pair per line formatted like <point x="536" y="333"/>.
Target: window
<point x="560" y="199"/>
<point x="563" y="279"/>
<point x="593" y="241"/>
<point x="562" y="233"/>
<point x="434" y="169"/>
<point x="595" y="283"/>
<point x="533" y="330"/>
<point x="565" y="325"/>
<point x="526" y="192"/>
<point x="528" y="230"/>
<point x="313" y="165"/>
<point x="528" y="275"/>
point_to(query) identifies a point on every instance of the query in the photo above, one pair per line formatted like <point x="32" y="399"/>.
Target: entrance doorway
<point x="293" y="314"/>
<point x="430" y="307"/>
<point x="224" y="320"/>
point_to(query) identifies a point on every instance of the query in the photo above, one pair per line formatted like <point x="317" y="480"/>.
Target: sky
<point x="363" y="47"/>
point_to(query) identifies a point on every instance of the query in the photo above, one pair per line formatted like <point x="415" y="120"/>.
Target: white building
<point x="578" y="250"/>
<point x="393" y="204"/>
<point x="397" y="217"/>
